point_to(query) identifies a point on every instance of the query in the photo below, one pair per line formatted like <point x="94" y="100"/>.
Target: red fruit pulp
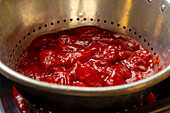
<point x="86" y="57"/>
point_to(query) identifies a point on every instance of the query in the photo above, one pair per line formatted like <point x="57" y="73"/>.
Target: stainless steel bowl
<point x="22" y="20"/>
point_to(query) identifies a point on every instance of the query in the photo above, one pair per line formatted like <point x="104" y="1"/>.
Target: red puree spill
<point x="87" y="57"/>
<point x="20" y="101"/>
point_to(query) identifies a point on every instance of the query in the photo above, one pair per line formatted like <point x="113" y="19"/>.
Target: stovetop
<point x="162" y="93"/>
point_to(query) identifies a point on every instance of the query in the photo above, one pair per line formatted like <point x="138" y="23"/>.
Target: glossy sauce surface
<point x="86" y="57"/>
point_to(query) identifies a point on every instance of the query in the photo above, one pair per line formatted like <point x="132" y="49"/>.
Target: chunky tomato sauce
<point x="86" y="57"/>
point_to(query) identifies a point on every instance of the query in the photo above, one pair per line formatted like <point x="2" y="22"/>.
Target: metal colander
<point x="21" y="21"/>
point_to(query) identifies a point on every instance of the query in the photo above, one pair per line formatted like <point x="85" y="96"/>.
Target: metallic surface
<point x="22" y="20"/>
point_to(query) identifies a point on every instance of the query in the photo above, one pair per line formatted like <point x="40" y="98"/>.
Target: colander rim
<point x="85" y="91"/>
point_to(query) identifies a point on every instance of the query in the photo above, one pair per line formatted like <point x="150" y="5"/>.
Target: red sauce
<point x="149" y="99"/>
<point x="86" y="57"/>
<point x="20" y="101"/>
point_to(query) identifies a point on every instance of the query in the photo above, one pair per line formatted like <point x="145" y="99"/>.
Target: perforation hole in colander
<point x="98" y="20"/>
